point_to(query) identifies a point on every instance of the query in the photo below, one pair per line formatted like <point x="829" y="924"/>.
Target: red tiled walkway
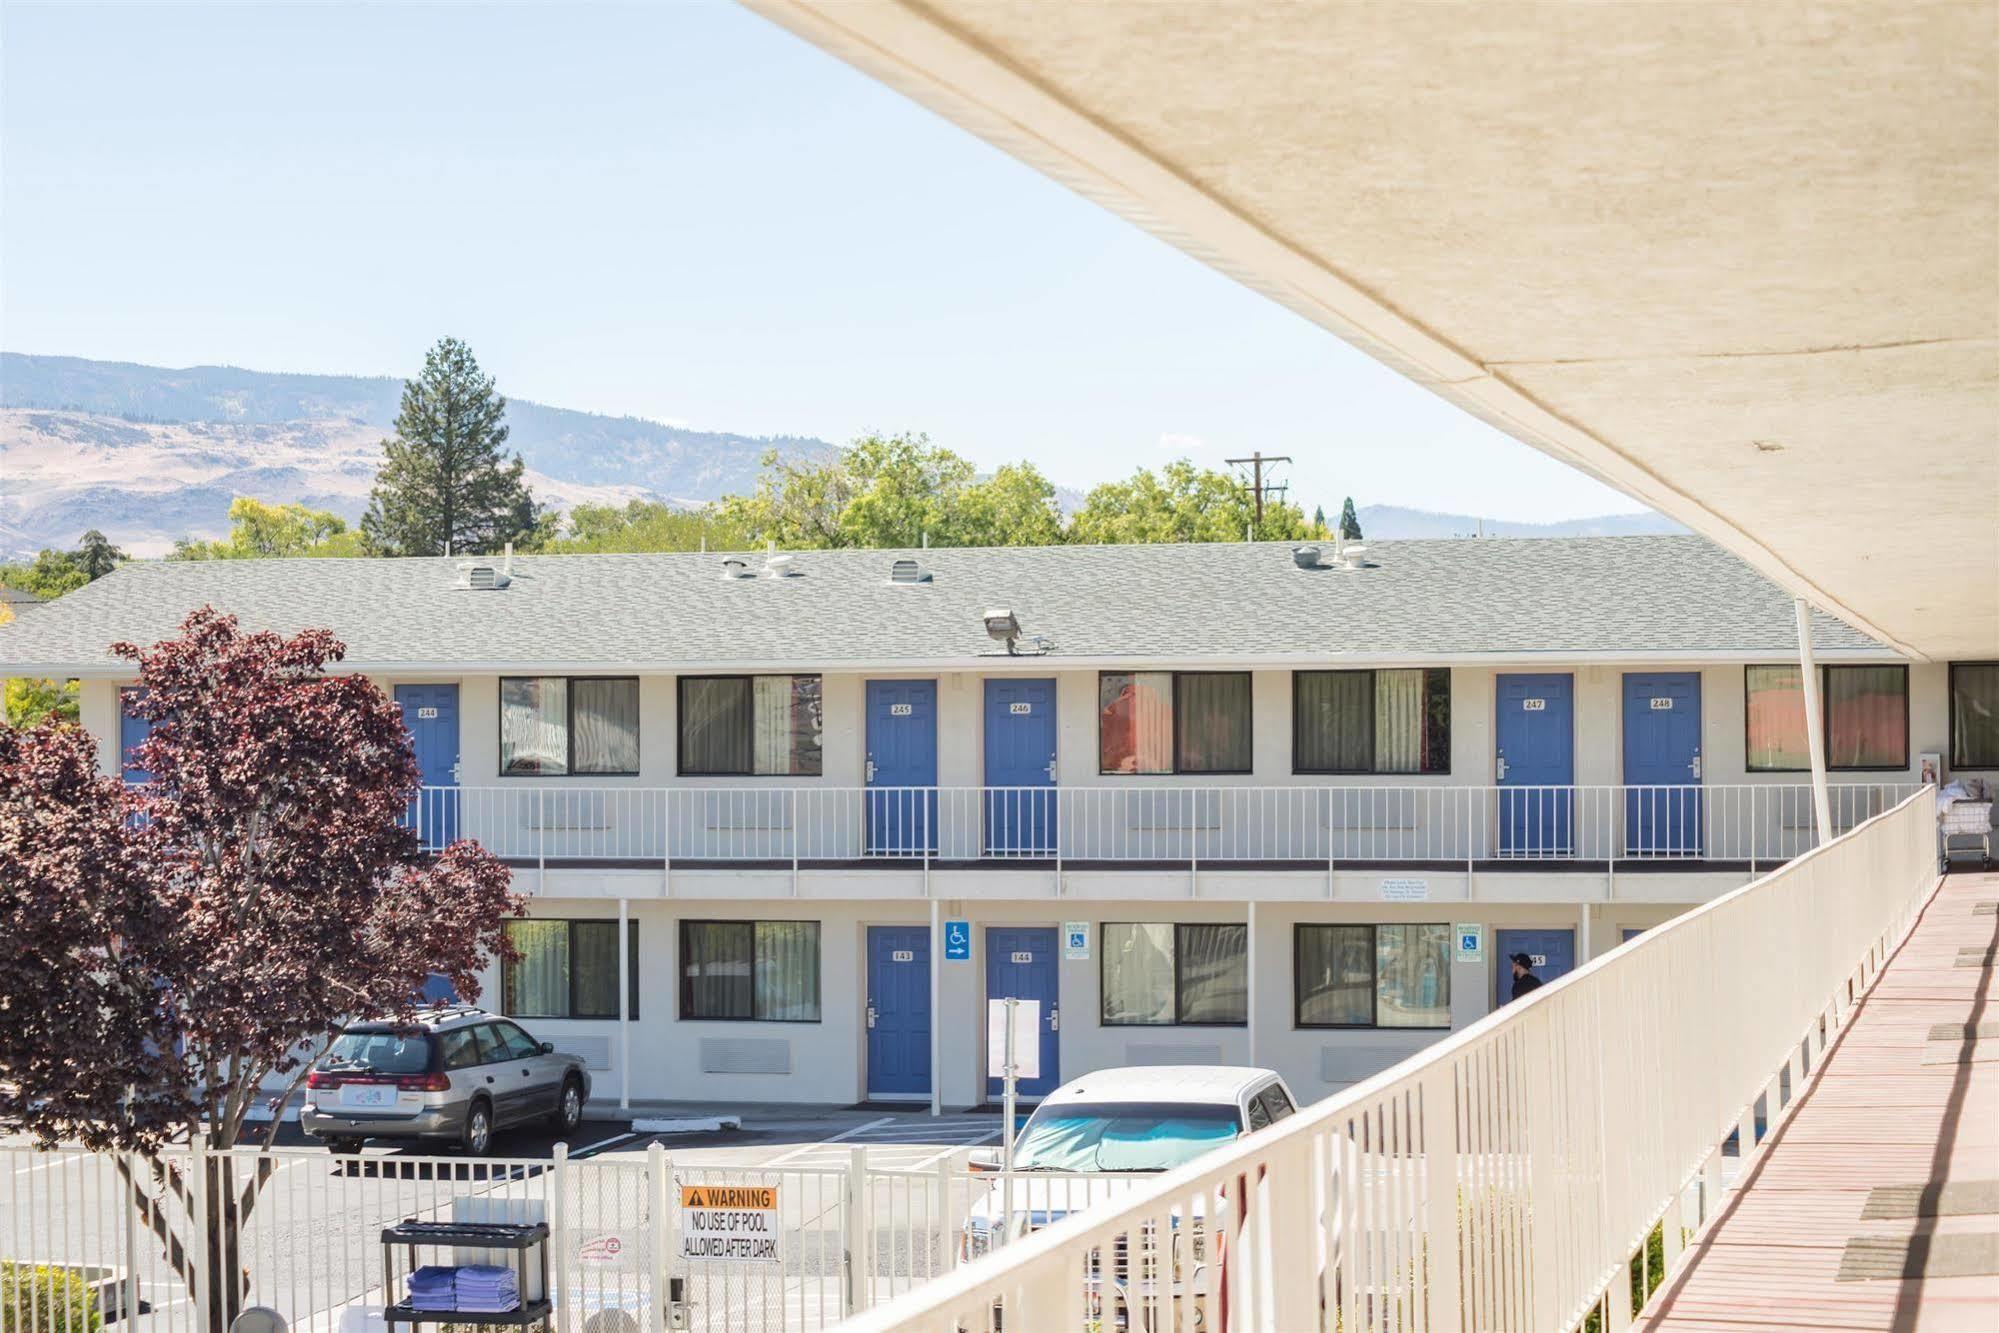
<point x="1894" y="1107"/>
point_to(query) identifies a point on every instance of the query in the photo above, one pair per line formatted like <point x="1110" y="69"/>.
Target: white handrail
<point x="1504" y="1178"/>
<point x="1755" y="824"/>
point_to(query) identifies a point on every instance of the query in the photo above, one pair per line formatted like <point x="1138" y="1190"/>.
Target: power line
<point x="1257" y="462"/>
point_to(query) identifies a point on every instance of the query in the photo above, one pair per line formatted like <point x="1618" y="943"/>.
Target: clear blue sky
<point x="675" y="212"/>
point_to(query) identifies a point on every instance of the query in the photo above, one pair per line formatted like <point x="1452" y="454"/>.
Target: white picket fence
<point x="850" y="1235"/>
<point x="1505" y="1179"/>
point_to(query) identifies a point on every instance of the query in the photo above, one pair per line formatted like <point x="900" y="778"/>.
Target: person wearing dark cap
<point x="1524" y="980"/>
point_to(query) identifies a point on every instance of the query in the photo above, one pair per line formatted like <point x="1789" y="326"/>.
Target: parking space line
<point x="805" y="1148"/>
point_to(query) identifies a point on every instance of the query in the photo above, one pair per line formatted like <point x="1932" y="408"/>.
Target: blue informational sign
<point x="958" y="941"/>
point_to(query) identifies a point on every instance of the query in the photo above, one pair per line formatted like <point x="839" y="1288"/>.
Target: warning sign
<point x="729" y="1223"/>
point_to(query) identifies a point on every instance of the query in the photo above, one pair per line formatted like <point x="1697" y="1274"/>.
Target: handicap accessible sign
<point x="958" y="941"/>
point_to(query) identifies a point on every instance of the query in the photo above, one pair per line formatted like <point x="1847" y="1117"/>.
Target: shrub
<point x="46" y="1298"/>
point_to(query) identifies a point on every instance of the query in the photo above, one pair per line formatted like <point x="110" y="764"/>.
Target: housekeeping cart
<point x="522" y="1239"/>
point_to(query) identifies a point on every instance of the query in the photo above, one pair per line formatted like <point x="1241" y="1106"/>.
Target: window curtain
<point x="1866" y="717"/>
<point x="1135" y="722"/>
<point x="1974" y="715"/>
<point x="534" y="725"/>
<point x="807" y="712"/>
<point x="537" y="986"/>
<point x="1213" y="722"/>
<point x="1214" y="974"/>
<point x="593" y="955"/>
<point x="1138" y="973"/>
<point x="1398" y="721"/>
<point x="787" y="971"/>
<point x="716" y="962"/>
<point x="715" y="725"/>
<point x="1412" y="966"/>
<point x="1776" y="721"/>
<point x="606" y="720"/>
<point x="1335" y="731"/>
<point x="1335" y="976"/>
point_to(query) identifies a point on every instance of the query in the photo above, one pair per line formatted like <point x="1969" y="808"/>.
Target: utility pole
<point x="1257" y="463"/>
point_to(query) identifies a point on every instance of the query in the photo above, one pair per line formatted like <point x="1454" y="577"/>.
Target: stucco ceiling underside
<point x="1741" y="261"/>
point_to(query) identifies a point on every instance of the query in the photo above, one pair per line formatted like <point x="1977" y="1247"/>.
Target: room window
<point x="1866" y="718"/>
<point x="1395" y="976"/>
<point x="559" y="726"/>
<point x="762" y="971"/>
<point x="569" y="969"/>
<point x="1371" y="721"/>
<point x="750" y="726"/>
<point x="1162" y="974"/>
<point x="1974" y="715"/>
<point x="1173" y="722"/>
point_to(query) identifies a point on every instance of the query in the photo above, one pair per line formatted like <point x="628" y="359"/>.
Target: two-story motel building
<point x="1210" y="804"/>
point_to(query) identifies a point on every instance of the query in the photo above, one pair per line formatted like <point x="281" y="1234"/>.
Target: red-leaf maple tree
<point x="177" y="949"/>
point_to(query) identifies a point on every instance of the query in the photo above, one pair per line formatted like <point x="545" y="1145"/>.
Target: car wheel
<point x="477" y="1136"/>
<point x="569" y="1107"/>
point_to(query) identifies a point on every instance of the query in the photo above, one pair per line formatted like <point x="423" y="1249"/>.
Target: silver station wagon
<point x="455" y="1074"/>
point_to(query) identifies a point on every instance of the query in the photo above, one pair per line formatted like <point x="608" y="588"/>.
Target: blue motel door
<point x="898" y="1011"/>
<point x="1662" y="763"/>
<point x="1536" y="765"/>
<point x="431" y="714"/>
<point x="902" y="767"/>
<point x="1020" y="767"/>
<point x="1020" y="965"/>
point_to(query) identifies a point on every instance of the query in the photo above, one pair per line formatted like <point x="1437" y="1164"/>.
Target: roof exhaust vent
<point x="908" y="571"/>
<point x="482" y="576"/>
<point x="1306" y="557"/>
<point x="1354" y="556"/>
<point x="781" y="567"/>
<point x="735" y="567"/>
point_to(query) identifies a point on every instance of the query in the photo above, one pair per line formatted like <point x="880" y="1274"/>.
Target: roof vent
<point x="1306" y="557"/>
<point x="735" y="567"/>
<point x="781" y="567"/>
<point x="1354" y="556"/>
<point x="908" y="571"/>
<point x="486" y="577"/>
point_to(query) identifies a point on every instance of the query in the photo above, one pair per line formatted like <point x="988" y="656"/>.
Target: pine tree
<point x="96" y="556"/>
<point x="445" y="486"/>
<point x="1349" y="521"/>
<point x="1319" y="518"/>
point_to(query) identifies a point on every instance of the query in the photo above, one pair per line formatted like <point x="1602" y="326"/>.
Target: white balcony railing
<point x="1505" y="1178"/>
<point x="1758" y="825"/>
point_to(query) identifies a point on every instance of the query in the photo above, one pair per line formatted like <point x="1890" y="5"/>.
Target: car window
<point x="1259" y="1115"/>
<point x="514" y="1043"/>
<point x="460" y="1047"/>
<point x="1275" y="1103"/>
<point x="489" y="1044"/>
<point x="380" y="1052"/>
<point x="1122" y="1136"/>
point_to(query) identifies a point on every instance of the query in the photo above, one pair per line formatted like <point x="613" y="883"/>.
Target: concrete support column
<point x="1814" y="723"/>
<point x="936" y="1003"/>
<point x="624" y="1007"/>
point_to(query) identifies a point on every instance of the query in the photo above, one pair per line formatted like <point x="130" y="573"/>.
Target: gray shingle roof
<point x="1676" y="596"/>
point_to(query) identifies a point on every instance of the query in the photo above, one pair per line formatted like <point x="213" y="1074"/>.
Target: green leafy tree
<point x="259" y="531"/>
<point x="644" y="525"/>
<point x="1013" y="507"/>
<point x="50" y="574"/>
<point x="893" y="491"/>
<point x="1349" y="521"/>
<point x="1180" y="503"/>
<point x="445" y="485"/>
<point x="27" y="700"/>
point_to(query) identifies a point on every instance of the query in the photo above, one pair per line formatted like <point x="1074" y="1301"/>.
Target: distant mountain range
<point x="146" y="455"/>
<point x="1393" y="523"/>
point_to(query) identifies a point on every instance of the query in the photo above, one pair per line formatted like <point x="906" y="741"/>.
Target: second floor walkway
<point x="1875" y="1203"/>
